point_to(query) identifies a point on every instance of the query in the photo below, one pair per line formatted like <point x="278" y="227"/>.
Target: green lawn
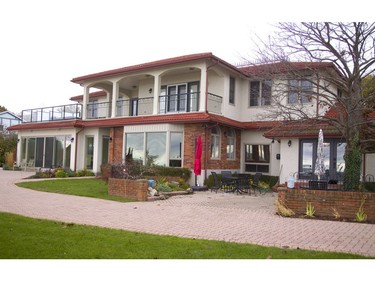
<point x="26" y="238"/>
<point x="96" y="188"/>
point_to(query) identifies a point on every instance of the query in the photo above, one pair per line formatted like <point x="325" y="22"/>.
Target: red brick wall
<point x="345" y="202"/>
<point x="192" y="131"/>
<point x="135" y="189"/>
<point x="116" y="145"/>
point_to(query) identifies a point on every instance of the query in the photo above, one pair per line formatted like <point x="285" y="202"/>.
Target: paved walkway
<point x="227" y="217"/>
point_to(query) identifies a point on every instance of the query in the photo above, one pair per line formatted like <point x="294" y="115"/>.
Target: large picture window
<point x="257" y="158"/>
<point x="47" y="152"/>
<point x="260" y="93"/>
<point x="151" y="148"/>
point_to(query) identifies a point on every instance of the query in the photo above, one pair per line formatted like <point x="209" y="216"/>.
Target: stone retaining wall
<point x="135" y="189"/>
<point x="325" y="202"/>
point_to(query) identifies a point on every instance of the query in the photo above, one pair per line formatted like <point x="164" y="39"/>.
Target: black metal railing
<point x="188" y="102"/>
<point x="52" y="113"/>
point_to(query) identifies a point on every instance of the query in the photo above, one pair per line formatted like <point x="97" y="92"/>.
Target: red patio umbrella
<point x="198" y="155"/>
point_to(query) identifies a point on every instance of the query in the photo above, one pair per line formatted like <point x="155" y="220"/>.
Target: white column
<point x="156" y="90"/>
<point x="203" y="90"/>
<point x="115" y="91"/>
<point x="85" y="102"/>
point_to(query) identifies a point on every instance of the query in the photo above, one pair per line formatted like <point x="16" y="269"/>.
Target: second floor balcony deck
<point x="188" y="102"/>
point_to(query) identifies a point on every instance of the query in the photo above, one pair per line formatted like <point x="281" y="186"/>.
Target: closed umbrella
<point x="197" y="160"/>
<point x="319" y="164"/>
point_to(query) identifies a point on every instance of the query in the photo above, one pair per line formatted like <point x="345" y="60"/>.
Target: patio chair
<point x="217" y="184"/>
<point x="243" y="183"/>
<point x="226" y="174"/>
<point x="255" y="183"/>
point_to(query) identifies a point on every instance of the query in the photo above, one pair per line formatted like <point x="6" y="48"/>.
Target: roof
<point x="11" y="114"/>
<point x="283" y="67"/>
<point x="155" y="64"/>
<point x="302" y="129"/>
<point x="197" y="117"/>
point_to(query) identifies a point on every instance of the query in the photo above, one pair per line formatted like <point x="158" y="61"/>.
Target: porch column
<point x="156" y="90"/>
<point x="203" y="90"/>
<point x="115" y="90"/>
<point x="85" y="102"/>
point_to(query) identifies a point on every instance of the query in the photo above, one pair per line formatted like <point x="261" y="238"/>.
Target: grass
<point x="95" y="188"/>
<point x="27" y="238"/>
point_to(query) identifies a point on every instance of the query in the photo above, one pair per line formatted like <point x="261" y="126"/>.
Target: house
<point x="8" y="119"/>
<point x="155" y="111"/>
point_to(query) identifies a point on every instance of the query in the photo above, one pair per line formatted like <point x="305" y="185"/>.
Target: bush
<point x="60" y="174"/>
<point x="369" y="186"/>
<point x="84" y="173"/>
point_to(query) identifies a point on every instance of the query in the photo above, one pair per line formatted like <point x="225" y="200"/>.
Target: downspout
<point x="76" y="150"/>
<point x="317" y="97"/>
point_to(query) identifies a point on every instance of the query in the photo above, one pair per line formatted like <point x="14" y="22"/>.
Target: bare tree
<point x="340" y="58"/>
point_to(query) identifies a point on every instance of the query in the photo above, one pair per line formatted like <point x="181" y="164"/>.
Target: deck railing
<point x="53" y="113"/>
<point x="176" y="103"/>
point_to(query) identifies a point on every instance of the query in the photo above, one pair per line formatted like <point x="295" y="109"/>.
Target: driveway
<point x="206" y="215"/>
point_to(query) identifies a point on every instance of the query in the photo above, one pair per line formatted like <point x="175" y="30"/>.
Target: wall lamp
<point x="289" y="143"/>
<point x="18" y="140"/>
<point x="72" y="139"/>
<point x="150" y="90"/>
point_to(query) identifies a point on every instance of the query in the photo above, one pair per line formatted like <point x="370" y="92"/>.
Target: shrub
<point x="369" y="186"/>
<point x="84" y="173"/>
<point x="60" y="174"/>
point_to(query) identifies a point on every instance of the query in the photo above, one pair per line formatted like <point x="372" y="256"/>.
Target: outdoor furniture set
<point x="236" y="183"/>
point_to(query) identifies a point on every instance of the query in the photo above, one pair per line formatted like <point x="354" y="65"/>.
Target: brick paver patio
<point x="206" y="215"/>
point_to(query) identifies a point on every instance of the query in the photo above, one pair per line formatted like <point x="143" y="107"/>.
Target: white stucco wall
<point x="289" y="158"/>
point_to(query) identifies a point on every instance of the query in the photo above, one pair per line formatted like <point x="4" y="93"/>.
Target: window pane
<point x="89" y="153"/>
<point x="135" y="146"/>
<point x="257" y="153"/>
<point x="254" y="93"/>
<point x="266" y="92"/>
<point x="307" y="158"/>
<point x="232" y="85"/>
<point x="156" y="149"/>
<point x="340" y="164"/>
<point x="59" y="151"/>
<point x="175" y="146"/>
<point x="293" y="91"/>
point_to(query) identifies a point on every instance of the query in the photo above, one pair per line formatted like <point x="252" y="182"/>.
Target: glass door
<point x="89" y="153"/>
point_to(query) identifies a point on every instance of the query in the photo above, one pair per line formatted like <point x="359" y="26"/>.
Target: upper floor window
<point x="215" y="143"/>
<point x="260" y="93"/>
<point x="232" y="89"/>
<point x="231" y="137"/>
<point x="299" y="91"/>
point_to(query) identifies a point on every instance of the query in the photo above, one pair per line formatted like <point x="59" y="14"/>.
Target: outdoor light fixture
<point x="289" y="143"/>
<point x="72" y="139"/>
<point x="150" y="90"/>
<point x="273" y="141"/>
<point x="110" y="139"/>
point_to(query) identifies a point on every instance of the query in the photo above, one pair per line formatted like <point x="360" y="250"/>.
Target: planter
<point x="135" y="189"/>
<point x="332" y="205"/>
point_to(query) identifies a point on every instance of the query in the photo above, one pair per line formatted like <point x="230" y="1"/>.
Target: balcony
<point x="173" y="103"/>
<point x="53" y="113"/>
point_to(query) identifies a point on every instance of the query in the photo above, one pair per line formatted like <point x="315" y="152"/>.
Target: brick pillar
<point x="116" y="145"/>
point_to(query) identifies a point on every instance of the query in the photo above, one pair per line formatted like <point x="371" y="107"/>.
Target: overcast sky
<point x="44" y="43"/>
